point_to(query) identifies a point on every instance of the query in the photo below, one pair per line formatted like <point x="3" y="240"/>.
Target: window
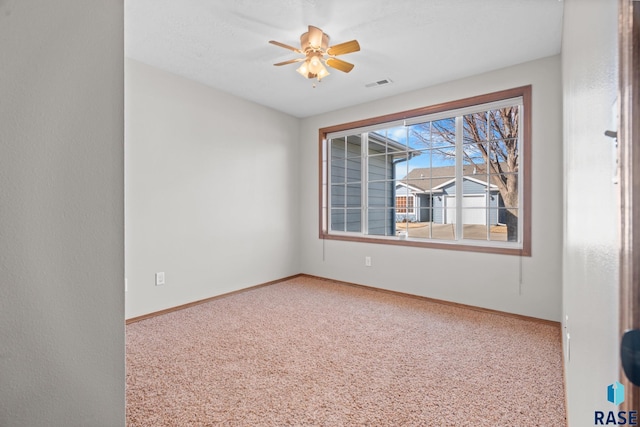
<point x="404" y="205"/>
<point x="452" y="176"/>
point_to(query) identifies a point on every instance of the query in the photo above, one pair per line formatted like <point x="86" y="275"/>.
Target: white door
<point x="469" y="216"/>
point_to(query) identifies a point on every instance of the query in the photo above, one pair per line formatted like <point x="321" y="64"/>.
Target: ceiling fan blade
<point x="344" y="48"/>
<point x="291" y="61"/>
<point x="286" y="46"/>
<point x="340" y="65"/>
<point x="315" y="36"/>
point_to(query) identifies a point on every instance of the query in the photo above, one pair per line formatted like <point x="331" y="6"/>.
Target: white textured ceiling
<point x="415" y="43"/>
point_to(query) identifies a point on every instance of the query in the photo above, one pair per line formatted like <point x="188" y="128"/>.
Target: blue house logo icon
<point x="615" y="393"/>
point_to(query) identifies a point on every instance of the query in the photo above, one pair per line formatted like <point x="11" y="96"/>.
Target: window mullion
<point x="459" y="183"/>
<point x="327" y="177"/>
<point x="522" y="162"/>
<point x="364" y="173"/>
<point x="487" y="197"/>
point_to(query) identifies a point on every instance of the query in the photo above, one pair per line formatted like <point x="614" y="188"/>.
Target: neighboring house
<point x="429" y="194"/>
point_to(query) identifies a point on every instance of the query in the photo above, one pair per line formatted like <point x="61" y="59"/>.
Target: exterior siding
<point x="424" y="208"/>
<point x="346" y="188"/>
<point x="438" y="209"/>
<point x="381" y="194"/>
<point x="468" y="187"/>
<point x="346" y="176"/>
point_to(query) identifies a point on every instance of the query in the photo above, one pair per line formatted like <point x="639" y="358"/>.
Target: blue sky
<point x="403" y="134"/>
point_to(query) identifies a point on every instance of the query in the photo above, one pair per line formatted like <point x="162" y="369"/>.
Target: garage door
<point x="469" y="216"/>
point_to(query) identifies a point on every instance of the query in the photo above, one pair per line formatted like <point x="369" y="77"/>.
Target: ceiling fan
<point x="314" y="46"/>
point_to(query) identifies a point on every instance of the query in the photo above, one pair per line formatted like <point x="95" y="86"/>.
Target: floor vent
<point x="379" y="83"/>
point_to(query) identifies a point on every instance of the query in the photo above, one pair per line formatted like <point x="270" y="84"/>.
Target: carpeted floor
<point x="311" y="352"/>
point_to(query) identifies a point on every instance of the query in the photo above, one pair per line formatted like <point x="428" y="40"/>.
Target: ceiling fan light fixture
<point x="315" y="64"/>
<point x="304" y="69"/>
<point x="313" y="68"/>
<point x="323" y="72"/>
<point x="314" y="45"/>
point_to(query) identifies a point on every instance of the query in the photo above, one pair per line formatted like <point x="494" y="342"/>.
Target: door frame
<point x="629" y="145"/>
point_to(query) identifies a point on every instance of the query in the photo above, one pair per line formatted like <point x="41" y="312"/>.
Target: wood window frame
<point x="525" y="92"/>
<point x="629" y="143"/>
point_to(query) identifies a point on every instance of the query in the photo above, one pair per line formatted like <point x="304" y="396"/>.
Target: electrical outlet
<point x="160" y="279"/>
<point x="367" y="261"/>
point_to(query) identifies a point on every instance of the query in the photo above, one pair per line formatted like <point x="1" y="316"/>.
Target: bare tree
<point x="491" y="141"/>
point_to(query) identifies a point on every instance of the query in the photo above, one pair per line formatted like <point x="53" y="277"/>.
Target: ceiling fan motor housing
<point x="314" y="40"/>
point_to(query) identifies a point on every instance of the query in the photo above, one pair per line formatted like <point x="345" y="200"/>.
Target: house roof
<point x="433" y="179"/>
<point x="395" y="147"/>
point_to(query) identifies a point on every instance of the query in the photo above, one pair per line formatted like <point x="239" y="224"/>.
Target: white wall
<point x="211" y="191"/>
<point x="590" y="297"/>
<point x="485" y="280"/>
<point x="61" y="214"/>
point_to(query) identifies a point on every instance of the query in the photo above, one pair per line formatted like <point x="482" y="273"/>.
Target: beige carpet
<point x="310" y="352"/>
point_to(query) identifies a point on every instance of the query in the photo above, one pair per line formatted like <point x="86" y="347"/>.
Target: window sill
<point x="464" y="245"/>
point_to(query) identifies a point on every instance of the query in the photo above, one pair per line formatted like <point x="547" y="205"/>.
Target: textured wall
<point x="529" y="285"/>
<point x="590" y="296"/>
<point x="61" y="214"/>
<point x="211" y="191"/>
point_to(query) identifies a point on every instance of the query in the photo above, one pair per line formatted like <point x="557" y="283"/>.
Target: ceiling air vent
<point x="379" y="83"/>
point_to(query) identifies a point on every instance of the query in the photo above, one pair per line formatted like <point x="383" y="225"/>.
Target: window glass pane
<point x="506" y="228"/>
<point x="420" y="184"/>
<point x="401" y="204"/>
<point x="354" y="220"/>
<point x="476" y="128"/>
<point x="337" y="148"/>
<point x="353" y="146"/>
<point x="397" y="138"/>
<point x="474" y="219"/>
<point x="497" y="232"/>
<point x="381" y="222"/>
<point x="508" y="198"/>
<point x="449" y="203"/>
<point x="380" y="194"/>
<point x="480" y="177"/>
<point x="401" y="169"/>
<point x="402" y="225"/>
<point x="443" y="132"/>
<point x="442" y="231"/>
<point x="405" y="205"/>
<point x="354" y="169"/>
<point x="503" y="150"/>
<point x="380" y="167"/>
<point x="418" y="226"/>
<point x="394" y="139"/>
<point x="338" y="171"/>
<point x="418" y="159"/>
<point x="475" y="158"/>
<point x="354" y="195"/>
<point x="338" y="193"/>
<point x="419" y="136"/>
<point x="338" y="220"/>
<point x="444" y="157"/>
<point x="377" y="144"/>
<point x="504" y="123"/>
